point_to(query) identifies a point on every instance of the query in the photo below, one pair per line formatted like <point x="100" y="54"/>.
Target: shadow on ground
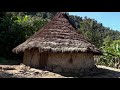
<point x="98" y="73"/>
<point x="4" y="74"/>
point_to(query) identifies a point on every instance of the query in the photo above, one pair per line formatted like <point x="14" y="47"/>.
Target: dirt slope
<point x="22" y="71"/>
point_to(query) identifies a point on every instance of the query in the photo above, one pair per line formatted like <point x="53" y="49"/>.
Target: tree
<point x="15" y="29"/>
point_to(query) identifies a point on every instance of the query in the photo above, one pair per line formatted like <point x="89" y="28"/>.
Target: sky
<point x="108" y="19"/>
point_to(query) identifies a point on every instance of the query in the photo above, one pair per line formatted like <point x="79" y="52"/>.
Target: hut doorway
<point x="43" y="59"/>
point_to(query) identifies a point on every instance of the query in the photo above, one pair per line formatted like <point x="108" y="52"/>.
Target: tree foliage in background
<point x="91" y="29"/>
<point x="111" y="53"/>
<point x="15" y="29"/>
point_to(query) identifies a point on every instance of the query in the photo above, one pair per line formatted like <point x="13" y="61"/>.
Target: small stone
<point x="36" y="73"/>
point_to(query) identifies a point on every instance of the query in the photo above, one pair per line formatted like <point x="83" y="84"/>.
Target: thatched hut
<point x="58" y="46"/>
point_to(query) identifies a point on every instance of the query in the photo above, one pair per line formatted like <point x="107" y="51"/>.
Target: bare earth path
<point x="22" y="71"/>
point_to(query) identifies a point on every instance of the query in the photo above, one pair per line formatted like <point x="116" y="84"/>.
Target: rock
<point x="24" y="67"/>
<point x="57" y="69"/>
<point x="35" y="73"/>
<point x="45" y="72"/>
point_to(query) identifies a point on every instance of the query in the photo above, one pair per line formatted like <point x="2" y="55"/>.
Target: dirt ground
<point x="22" y="71"/>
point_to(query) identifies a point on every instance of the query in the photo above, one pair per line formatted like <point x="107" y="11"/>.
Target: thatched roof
<point x="58" y="35"/>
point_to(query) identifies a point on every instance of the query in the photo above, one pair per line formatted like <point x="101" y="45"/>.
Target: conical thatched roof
<point x="58" y="35"/>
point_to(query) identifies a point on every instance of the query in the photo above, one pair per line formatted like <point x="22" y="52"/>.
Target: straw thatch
<point x="58" y="35"/>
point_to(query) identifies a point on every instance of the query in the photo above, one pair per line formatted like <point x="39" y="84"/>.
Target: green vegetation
<point x="16" y="27"/>
<point x="111" y="53"/>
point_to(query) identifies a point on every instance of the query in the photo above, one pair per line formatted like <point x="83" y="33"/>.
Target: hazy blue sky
<point x="108" y="19"/>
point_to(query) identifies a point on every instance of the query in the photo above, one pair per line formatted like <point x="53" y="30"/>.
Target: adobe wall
<point x="31" y="58"/>
<point x="60" y="62"/>
<point x="63" y="61"/>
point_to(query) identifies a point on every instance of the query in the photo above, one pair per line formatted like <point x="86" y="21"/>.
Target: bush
<point x="111" y="53"/>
